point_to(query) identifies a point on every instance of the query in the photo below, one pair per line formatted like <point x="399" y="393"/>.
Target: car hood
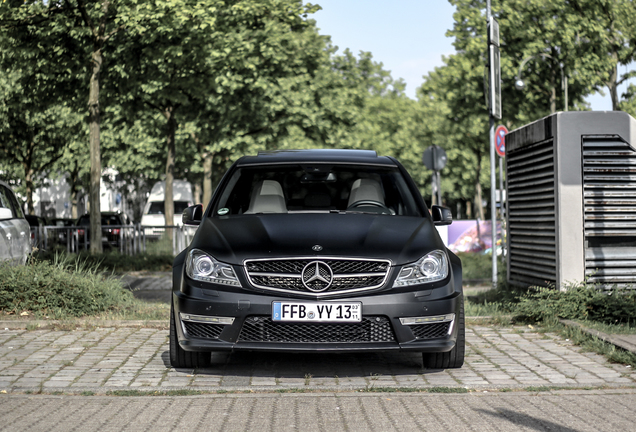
<point x="237" y="238"/>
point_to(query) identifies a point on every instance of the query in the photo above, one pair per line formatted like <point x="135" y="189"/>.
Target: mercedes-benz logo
<point x="317" y="276"/>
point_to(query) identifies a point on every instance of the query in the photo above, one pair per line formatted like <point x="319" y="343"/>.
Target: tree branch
<point x="625" y="77"/>
<point x="87" y="19"/>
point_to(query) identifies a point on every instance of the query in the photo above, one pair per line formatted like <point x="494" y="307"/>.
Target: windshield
<point x="317" y="189"/>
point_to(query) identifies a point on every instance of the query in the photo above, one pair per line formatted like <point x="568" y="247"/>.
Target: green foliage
<point x="113" y="261"/>
<point x="59" y="289"/>
<point x="578" y="302"/>
<point x="476" y="265"/>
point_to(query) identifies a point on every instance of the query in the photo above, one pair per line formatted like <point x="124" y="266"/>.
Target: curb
<point x="621" y="341"/>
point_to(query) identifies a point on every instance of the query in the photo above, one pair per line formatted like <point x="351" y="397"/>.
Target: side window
<point x="5" y="201"/>
<point x="17" y="209"/>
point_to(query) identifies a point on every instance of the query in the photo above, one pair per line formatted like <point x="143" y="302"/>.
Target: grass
<point x="589" y="343"/>
<point x="69" y="288"/>
<point x="113" y="261"/>
<point x="623" y="329"/>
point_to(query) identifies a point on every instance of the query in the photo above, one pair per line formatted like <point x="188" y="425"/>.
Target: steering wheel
<point x="369" y="203"/>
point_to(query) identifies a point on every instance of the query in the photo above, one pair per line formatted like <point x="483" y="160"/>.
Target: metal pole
<point x="565" y="90"/>
<point x="434" y="188"/>
<point x="502" y="212"/>
<point x="493" y="179"/>
<point x="439" y="187"/>
<point x="493" y="202"/>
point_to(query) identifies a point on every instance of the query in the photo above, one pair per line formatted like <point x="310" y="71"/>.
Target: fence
<point x="126" y="239"/>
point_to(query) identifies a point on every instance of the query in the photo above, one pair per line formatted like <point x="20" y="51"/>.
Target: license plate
<point x="317" y="312"/>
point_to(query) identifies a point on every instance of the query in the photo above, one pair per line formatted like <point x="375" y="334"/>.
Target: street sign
<point x="494" y="69"/>
<point x="500" y="140"/>
<point x="434" y="158"/>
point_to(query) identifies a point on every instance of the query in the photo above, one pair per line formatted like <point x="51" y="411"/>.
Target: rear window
<point x="317" y="189"/>
<point x="158" y="207"/>
<point x="106" y="220"/>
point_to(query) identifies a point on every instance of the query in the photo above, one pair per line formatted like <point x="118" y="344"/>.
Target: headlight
<point x="430" y="268"/>
<point x="202" y="267"/>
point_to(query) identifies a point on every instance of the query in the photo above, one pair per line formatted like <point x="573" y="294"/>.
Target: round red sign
<point x="500" y="140"/>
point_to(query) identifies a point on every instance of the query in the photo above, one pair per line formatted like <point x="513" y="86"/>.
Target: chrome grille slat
<point x="349" y="274"/>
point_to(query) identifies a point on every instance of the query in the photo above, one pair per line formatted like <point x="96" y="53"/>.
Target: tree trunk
<point x="479" y="203"/>
<point x="169" y="113"/>
<point x="198" y="191"/>
<point x="612" y="84"/>
<point x="208" y="159"/>
<point x="96" y="161"/>
<point x="553" y="98"/>
<point x="28" y="180"/>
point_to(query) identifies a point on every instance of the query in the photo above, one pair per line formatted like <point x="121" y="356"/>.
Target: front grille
<point x="263" y="329"/>
<point x="348" y="275"/>
<point x="431" y="331"/>
<point x="202" y="330"/>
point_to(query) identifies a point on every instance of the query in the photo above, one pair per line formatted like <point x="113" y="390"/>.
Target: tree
<point x="37" y="117"/>
<point x="608" y="31"/>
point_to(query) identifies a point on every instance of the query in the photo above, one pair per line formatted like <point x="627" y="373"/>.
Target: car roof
<point x="366" y="157"/>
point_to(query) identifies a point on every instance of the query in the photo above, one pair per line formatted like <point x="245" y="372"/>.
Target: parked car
<point x="116" y="228"/>
<point x="37" y="224"/>
<point x="317" y="250"/>
<point x="15" y="237"/>
<point x="154" y="211"/>
<point x="64" y="229"/>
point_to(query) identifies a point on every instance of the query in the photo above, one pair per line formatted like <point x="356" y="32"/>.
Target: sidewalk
<point x="561" y="410"/>
<point x="100" y="360"/>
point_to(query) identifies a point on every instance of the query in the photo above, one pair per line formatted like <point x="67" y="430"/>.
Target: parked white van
<point x="15" y="232"/>
<point x="154" y="215"/>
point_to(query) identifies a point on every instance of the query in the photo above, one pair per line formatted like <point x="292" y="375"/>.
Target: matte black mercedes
<point x="317" y="250"/>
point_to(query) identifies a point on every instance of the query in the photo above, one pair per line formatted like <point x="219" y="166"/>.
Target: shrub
<point x="476" y="265"/>
<point x="60" y="288"/>
<point x="580" y="301"/>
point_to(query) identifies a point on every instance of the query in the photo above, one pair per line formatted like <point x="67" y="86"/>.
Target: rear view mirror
<point x="5" y="213"/>
<point x="441" y="215"/>
<point x="192" y="215"/>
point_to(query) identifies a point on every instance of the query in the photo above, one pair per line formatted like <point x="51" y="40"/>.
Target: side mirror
<point x="5" y="213"/>
<point x="192" y="215"/>
<point x="441" y="215"/>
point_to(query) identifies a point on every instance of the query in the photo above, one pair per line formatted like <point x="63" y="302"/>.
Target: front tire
<point x="180" y="358"/>
<point x="454" y="358"/>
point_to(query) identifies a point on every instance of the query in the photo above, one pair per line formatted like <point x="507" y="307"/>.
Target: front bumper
<point x="252" y="313"/>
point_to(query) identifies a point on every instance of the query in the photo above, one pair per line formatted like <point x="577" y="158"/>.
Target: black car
<point x="116" y="229"/>
<point x="37" y="224"/>
<point x="317" y="250"/>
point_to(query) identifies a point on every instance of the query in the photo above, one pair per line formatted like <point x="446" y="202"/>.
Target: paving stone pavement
<point x="565" y="411"/>
<point x="103" y="359"/>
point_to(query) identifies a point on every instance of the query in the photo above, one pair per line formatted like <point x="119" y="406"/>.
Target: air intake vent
<point x="609" y="188"/>
<point x="531" y="214"/>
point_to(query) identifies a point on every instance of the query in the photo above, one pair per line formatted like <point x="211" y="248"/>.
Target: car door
<point x="15" y="241"/>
